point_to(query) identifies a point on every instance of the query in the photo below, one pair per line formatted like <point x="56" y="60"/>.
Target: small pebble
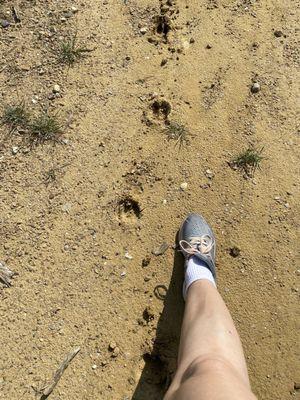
<point x="255" y="88"/>
<point x="185" y="44"/>
<point x="66" y="207"/>
<point x="94" y="366"/>
<point x="116" y="352"/>
<point x="164" y="202"/>
<point x="183" y="186"/>
<point x="74" y="9"/>
<point x="15" y="150"/>
<point x="128" y="256"/>
<point x="123" y="274"/>
<point x="278" y="33"/>
<point x="112" y="345"/>
<point x="56" y="89"/>
<point x="68" y="14"/>
<point x="144" y="30"/>
<point x="205" y="186"/>
<point x="4" y="23"/>
<point x="209" y="174"/>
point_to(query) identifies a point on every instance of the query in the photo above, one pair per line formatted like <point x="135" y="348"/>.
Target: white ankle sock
<point x="195" y="270"/>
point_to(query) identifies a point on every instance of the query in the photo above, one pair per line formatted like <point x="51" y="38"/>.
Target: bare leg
<point x="211" y="363"/>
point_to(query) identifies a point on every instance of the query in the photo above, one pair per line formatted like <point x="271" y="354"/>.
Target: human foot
<point x="198" y="245"/>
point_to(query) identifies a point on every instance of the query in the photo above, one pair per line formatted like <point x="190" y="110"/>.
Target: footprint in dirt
<point x="129" y="211"/>
<point x="161" y="109"/>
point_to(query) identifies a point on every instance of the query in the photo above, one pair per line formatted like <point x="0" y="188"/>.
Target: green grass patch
<point x="70" y="52"/>
<point x="15" y="116"/>
<point x="45" y="127"/>
<point x="248" y="161"/>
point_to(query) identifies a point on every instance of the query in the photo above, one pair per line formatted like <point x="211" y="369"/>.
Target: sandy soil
<point x="80" y="220"/>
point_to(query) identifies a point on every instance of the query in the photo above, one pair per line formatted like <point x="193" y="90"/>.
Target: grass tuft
<point x="178" y="132"/>
<point x="248" y="161"/>
<point x="44" y="128"/>
<point x="16" y="116"/>
<point x="69" y="52"/>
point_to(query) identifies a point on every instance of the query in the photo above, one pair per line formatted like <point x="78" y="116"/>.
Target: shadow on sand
<point x="161" y="362"/>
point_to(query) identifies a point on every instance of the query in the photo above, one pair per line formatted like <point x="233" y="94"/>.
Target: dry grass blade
<point x="178" y="132"/>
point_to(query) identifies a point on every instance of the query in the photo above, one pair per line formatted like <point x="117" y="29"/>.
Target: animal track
<point x="161" y="109"/>
<point x="129" y="210"/>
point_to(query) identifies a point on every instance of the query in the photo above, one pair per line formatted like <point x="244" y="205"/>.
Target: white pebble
<point x="56" y="89"/>
<point x="183" y="186"/>
<point x="128" y="256"/>
<point x="255" y="87"/>
<point x="144" y="30"/>
<point x="209" y="174"/>
<point x="15" y="150"/>
<point x="94" y="366"/>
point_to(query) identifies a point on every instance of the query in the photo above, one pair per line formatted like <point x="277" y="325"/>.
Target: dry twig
<point x="46" y="391"/>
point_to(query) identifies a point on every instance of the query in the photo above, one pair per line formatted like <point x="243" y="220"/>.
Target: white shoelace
<point x="197" y="244"/>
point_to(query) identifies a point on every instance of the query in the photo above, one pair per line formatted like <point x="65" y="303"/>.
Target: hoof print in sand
<point x="161" y="109"/>
<point x="129" y="210"/>
<point x="163" y="26"/>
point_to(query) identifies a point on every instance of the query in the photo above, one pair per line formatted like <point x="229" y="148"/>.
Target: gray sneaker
<point x="196" y="238"/>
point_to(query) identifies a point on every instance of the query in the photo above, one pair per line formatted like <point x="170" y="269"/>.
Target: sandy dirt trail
<point x="82" y="243"/>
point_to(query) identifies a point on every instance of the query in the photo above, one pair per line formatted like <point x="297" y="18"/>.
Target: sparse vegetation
<point x="16" y="116"/>
<point x="52" y="174"/>
<point x="178" y="132"/>
<point x="44" y="128"/>
<point x="248" y="161"/>
<point x="69" y="52"/>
